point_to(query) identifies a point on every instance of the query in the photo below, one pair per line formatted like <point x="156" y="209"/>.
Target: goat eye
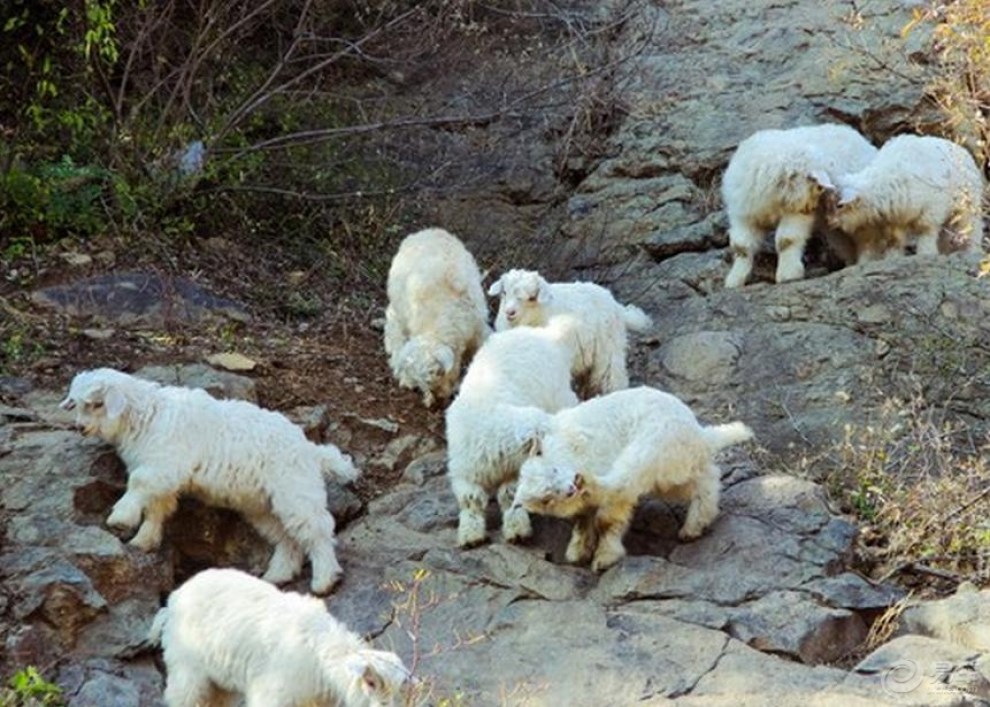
<point x="95" y="405"/>
<point x="531" y="298"/>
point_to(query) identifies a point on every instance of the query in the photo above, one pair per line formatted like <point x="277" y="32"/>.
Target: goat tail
<point x="157" y="626"/>
<point x="722" y="436"/>
<point x="337" y="465"/>
<point x="635" y="318"/>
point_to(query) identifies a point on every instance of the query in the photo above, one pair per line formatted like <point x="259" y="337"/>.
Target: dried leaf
<point x="232" y="361"/>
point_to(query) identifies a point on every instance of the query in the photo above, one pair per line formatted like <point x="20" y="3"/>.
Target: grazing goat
<point x="437" y="315"/>
<point x="596" y="460"/>
<point x="514" y="381"/>
<point x="229" y="453"/>
<point x="924" y="191"/>
<point x="225" y="633"/>
<point x="775" y="180"/>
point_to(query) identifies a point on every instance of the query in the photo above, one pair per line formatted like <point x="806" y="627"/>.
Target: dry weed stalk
<point x="921" y="485"/>
<point x="883" y="629"/>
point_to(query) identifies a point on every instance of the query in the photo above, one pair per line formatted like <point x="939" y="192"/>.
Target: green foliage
<point x="52" y="54"/>
<point x="27" y="688"/>
<point x="16" y="346"/>
<point x="54" y="198"/>
<point x="99" y="99"/>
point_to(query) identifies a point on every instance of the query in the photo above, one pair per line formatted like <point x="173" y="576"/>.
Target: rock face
<point x="704" y="78"/>
<point x="757" y="611"/>
<point x="72" y="593"/>
<point x="799" y="362"/>
<point x="764" y="609"/>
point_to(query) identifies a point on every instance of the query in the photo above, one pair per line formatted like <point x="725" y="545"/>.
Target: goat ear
<point x="373" y="682"/>
<point x="847" y="196"/>
<point x="115" y="403"/>
<point x="361" y="669"/>
<point x="534" y="447"/>
<point x="821" y="178"/>
<point x="544" y="295"/>
<point x="532" y="430"/>
<point x="496" y="288"/>
<point x="445" y="357"/>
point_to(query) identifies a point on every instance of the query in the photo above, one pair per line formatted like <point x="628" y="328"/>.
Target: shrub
<point x="920" y="485"/>
<point x="961" y="85"/>
<point x="27" y="688"/>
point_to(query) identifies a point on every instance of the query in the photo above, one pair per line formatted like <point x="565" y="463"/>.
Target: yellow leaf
<point x="232" y="361"/>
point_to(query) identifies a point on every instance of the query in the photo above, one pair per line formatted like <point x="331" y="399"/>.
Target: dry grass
<point x="920" y="486"/>
<point x="961" y="86"/>
<point x="885" y="626"/>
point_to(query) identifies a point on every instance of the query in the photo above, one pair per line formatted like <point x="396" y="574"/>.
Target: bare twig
<point x="262" y="95"/>
<point x="509" y="111"/>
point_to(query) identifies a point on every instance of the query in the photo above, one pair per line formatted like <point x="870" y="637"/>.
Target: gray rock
<point x="701" y="357"/>
<point x="12" y="414"/>
<point x="98" y="682"/>
<point x="136" y="298"/>
<point x="343" y="503"/>
<point x="923" y="671"/>
<point x="742" y="670"/>
<point x="314" y="420"/>
<point x="695" y="237"/>
<point x="791" y="623"/>
<point x="104" y="689"/>
<point x="13" y="386"/>
<point x="851" y="591"/>
<point x="219" y="384"/>
<point x="962" y="619"/>
<point x="428" y="466"/>
<point x="401" y="450"/>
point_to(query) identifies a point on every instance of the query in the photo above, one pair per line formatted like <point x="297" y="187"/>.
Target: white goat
<point x="515" y="379"/>
<point x="437" y="315"/>
<point x="225" y="633"/>
<point x="922" y="190"/>
<point x="775" y="180"/>
<point x="598" y="337"/>
<point x="229" y="453"/>
<point x="598" y="459"/>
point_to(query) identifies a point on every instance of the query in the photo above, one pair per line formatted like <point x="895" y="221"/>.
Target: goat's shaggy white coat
<point x="597" y="460"/>
<point x="598" y="335"/>
<point x="775" y="180"/>
<point x="925" y="191"/>
<point x="225" y="633"/>
<point x="437" y="315"/>
<point x="515" y="379"/>
<point x="228" y="453"/>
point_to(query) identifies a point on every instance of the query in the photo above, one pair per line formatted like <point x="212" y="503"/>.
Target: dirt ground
<point x="333" y="356"/>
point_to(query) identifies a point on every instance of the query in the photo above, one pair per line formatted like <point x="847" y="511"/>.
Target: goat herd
<point x="515" y="428"/>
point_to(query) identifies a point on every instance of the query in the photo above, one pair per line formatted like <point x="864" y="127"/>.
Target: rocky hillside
<point x="771" y="606"/>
